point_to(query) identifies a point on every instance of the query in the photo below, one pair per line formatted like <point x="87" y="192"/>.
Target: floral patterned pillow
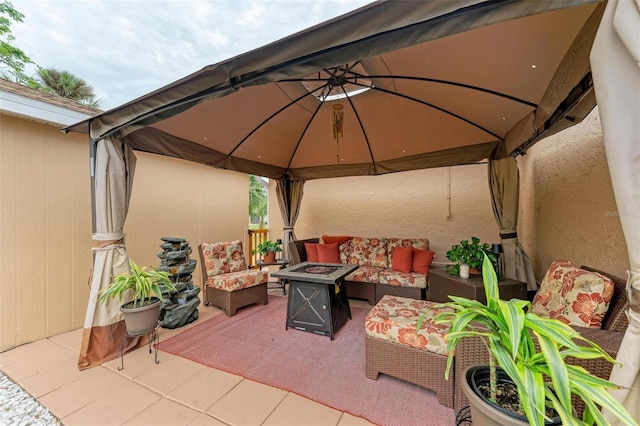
<point x="573" y="295"/>
<point x="368" y="252"/>
<point x="222" y="258"/>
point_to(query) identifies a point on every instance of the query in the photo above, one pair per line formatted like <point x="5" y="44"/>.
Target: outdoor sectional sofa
<point x="394" y="266"/>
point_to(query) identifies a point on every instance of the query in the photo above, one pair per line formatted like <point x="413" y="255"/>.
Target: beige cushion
<point x="364" y="274"/>
<point x="396" y="318"/>
<point x="402" y="279"/>
<point x="573" y="295"/>
<point x="368" y="252"/>
<point x="238" y="280"/>
<point x="224" y="257"/>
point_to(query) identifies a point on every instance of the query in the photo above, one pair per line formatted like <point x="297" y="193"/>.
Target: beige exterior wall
<point x="568" y="208"/>
<point x="45" y="222"/>
<point x="45" y="231"/>
<point x="445" y="205"/>
<point x="178" y="198"/>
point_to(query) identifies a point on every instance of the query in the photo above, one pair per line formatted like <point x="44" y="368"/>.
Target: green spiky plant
<point x="144" y="284"/>
<point x="541" y="375"/>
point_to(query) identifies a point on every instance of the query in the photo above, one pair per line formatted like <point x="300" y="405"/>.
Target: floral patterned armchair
<point x="227" y="282"/>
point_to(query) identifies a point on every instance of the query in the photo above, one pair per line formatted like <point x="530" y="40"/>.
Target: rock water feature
<point x="181" y="308"/>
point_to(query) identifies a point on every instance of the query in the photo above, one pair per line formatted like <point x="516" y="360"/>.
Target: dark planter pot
<point x="141" y="319"/>
<point x="484" y="412"/>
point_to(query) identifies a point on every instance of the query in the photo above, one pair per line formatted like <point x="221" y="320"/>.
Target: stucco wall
<point x="568" y="208"/>
<point x="445" y="205"/>
<point x="45" y="222"/>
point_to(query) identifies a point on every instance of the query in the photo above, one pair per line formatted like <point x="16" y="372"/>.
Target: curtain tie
<point x="100" y="244"/>
<point x="508" y="235"/>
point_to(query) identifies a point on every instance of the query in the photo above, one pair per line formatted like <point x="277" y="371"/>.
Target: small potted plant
<point x="539" y="372"/>
<point x="142" y="312"/>
<point x="268" y="249"/>
<point x="468" y="255"/>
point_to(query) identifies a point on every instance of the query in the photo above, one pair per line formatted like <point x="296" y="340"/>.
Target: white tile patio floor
<point x="174" y="392"/>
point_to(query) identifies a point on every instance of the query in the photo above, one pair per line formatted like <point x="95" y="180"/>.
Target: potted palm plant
<point x="268" y="249"/>
<point x="539" y="372"/>
<point x="468" y="255"/>
<point x="142" y="312"/>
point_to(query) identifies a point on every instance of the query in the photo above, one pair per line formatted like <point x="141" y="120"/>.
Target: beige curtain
<point x="103" y="326"/>
<point x="615" y="63"/>
<point x="504" y="184"/>
<point x="289" y="194"/>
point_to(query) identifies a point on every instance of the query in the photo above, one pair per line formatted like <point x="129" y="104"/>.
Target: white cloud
<point x="125" y="49"/>
<point x="253" y="15"/>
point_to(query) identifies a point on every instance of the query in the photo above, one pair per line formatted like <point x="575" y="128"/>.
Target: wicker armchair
<point x="472" y="351"/>
<point x="226" y="280"/>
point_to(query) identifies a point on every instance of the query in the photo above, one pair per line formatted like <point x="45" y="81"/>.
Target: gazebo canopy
<point x="389" y="87"/>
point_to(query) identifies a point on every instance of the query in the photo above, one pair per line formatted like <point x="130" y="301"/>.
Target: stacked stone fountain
<point x="181" y="308"/>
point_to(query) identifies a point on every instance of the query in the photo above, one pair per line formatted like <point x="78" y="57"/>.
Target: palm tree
<point x="257" y="199"/>
<point x="67" y="85"/>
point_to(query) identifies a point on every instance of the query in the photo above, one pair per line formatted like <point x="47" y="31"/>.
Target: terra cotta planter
<point x="269" y="257"/>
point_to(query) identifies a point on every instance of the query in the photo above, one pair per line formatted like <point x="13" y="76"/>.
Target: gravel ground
<point x="19" y="408"/>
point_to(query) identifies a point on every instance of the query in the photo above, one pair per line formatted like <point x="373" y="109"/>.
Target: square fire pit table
<point x="317" y="300"/>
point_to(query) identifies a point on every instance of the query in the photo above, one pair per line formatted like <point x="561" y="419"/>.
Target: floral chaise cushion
<point x="395" y="319"/>
<point x="365" y="274"/>
<point x="402" y="279"/>
<point x="238" y="280"/>
<point x="222" y="258"/>
<point x="573" y="295"/>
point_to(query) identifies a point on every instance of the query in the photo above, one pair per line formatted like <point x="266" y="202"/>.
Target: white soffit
<point x="21" y="106"/>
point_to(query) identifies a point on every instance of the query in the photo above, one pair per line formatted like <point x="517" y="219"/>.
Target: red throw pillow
<point x="402" y="258"/>
<point x="421" y="261"/>
<point x="312" y="252"/>
<point x="329" y="239"/>
<point x="328" y="253"/>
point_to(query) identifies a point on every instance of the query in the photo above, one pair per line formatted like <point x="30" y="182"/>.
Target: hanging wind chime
<point x="338" y="120"/>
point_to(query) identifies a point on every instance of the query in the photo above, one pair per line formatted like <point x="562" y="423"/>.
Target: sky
<point x="127" y="48"/>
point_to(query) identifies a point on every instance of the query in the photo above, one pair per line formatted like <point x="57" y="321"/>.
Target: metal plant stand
<point x="153" y="338"/>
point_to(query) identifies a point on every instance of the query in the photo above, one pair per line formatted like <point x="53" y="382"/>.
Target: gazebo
<point x="389" y="87"/>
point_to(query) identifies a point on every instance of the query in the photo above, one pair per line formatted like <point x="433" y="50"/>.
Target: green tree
<point x="67" y="85"/>
<point x="257" y="199"/>
<point x="12" y="59"/>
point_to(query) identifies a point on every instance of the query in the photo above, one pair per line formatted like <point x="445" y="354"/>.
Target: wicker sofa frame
<point x="372" y="293"/>
<point x="230" y="301"/>
<point x="472" y="351"/>
<point x="417" y="366"/>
